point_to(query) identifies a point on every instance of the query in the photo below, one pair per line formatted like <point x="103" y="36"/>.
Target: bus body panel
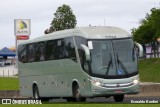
<point x="57" y="80"/>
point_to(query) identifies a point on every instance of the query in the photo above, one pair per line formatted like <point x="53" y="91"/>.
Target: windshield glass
<point x="113" y="58"/>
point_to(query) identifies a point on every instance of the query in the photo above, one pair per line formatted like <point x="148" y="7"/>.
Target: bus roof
<point x="99" y="32"/>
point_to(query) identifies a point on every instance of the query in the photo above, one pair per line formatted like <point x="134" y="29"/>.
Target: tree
<point x="148" y="31"/>
<point x="64" y="19"/>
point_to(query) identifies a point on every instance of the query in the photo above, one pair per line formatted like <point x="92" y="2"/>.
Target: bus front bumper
<point x="104" y="91"/>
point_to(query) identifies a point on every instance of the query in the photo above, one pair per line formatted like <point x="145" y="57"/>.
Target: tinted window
<point x="39" y="51"/>
<point x="54" y="49"/>
<point x="30" y="53"/>
<point x="50" y="50"/>
<point x="22" y="55"/>
<point x="69" y="49"/>
<point x="60" y="49"/>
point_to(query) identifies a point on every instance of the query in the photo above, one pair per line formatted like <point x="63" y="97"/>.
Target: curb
<point x="149" y="83"/>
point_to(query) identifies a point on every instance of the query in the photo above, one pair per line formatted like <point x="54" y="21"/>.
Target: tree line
<point x="149" y="31"/>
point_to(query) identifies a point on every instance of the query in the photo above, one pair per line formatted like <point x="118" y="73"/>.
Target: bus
<point x="80" y="63"/>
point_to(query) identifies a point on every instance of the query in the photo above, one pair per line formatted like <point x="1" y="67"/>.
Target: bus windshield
<point x="113" y="58"/>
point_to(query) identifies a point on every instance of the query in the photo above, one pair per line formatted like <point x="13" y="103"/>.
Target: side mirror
<point x="87" y="52"/>
<point x="140" y="48"/>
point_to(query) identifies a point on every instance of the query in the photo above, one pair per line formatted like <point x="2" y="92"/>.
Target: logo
<point x="22" y="25"/>
<point x="6" y="101"/>
<point x="118" y="85"/>
<point x="21" y="101"/>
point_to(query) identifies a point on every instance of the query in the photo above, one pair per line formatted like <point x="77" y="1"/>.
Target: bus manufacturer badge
<point x="118" y="85"/>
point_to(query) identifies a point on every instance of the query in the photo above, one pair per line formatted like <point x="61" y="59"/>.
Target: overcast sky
<point x="125" y="14"/>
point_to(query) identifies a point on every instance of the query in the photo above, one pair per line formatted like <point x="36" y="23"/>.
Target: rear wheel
<point x="70" y="99"/>
<point x="76" y="94"/>
<point x="36" y="93"/>
<point x="118" y="98"/>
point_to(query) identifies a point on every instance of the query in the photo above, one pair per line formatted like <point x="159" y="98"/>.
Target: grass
<point x="149" y="70"/>
<point x="8" y="83"/>
<point x="86" y="105"/>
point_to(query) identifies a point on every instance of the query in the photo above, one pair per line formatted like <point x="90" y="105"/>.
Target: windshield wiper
<point x="109" y="64"/>
<point x="121" y="64"/>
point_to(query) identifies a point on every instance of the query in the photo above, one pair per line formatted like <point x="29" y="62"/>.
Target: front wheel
<point x="118" y="98"/>
<point x="36" y="95"/>
<point x="76" y="94"/>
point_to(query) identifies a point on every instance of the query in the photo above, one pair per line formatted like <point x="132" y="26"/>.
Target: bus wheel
<point x="118" y="98"/>
<point x="70" y="99"/>
<point x="76" y="94"/>
<point x="35" y="92"/>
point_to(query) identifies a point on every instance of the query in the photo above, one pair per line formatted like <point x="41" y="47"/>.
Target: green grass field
<point x="149" y="70"/>
<point x="86" y="105"/>
<point x="7" y="83"/>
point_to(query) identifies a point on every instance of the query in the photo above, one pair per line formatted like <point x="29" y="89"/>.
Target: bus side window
<point x="22" y="56"/>
<point x="40" y="51"/>
<point x="30" y="53"/>
<point x="69" y="49"/>
<point x="60" y="49"/>
<point x="50" y="49"/>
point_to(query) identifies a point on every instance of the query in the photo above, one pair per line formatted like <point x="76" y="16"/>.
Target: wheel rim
<point x="77" y="94"/>
<point x="36" y="95"/>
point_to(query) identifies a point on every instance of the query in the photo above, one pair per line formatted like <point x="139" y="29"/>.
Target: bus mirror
<point x="140" y="49"/>
<point x="87" y="52"/>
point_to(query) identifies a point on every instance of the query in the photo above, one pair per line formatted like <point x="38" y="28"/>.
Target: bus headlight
<point x="135" y="81"/>
<point x="96" y="83"/>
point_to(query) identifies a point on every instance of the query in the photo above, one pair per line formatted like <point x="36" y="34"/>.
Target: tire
<point x="118" y="98"/>
<point x="76" y="94"/>
<point x="107" y="96"/>
<point x="70" y="99"/>
<point x="36" y="93"/>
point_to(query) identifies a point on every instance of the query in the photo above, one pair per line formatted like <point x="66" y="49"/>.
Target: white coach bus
<point x="78" y="63"/>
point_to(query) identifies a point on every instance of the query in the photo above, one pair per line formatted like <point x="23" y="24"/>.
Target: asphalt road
<point x="127" y="100"/>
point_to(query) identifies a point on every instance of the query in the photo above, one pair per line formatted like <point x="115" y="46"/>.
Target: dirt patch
<point x="9" y="93"/>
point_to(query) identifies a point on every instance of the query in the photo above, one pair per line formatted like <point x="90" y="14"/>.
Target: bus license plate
<point x="118" y="91"/>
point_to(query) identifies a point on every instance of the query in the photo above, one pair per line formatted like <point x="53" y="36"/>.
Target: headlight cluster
<point x="96" y="83"/>
<point x="136" y="81"/>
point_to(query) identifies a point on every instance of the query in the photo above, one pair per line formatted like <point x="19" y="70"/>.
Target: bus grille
<point x="117" y="85"/>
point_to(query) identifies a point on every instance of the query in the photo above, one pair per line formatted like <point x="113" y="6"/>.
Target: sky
<point x="125" y="14"/>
